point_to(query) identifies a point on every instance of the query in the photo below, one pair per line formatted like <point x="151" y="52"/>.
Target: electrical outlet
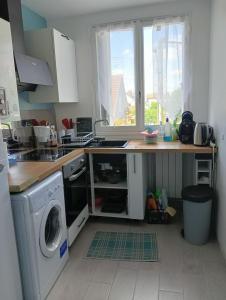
<point x="3" y="103"/>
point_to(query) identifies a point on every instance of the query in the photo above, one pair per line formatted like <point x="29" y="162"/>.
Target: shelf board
<point x="99" y="213"/>
<point x="203" y="181"/>
<point x="203" y="170"/>
<point x="202" y="160"/>
<point x="106" y="185"/>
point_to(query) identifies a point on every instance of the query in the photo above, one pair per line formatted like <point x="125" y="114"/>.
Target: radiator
<point x="169" y="173"/>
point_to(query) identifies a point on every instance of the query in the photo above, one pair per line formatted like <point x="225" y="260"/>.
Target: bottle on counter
<point x="167" y="131"/>
<point x="161" y="132"/>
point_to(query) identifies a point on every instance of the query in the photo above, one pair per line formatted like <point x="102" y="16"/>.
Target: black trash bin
<point x="197" y="206"/>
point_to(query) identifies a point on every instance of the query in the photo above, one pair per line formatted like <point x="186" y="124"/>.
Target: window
<point x="116" y="74"/>
<point x="163" y="71"/>
<point x="120" y="79"/>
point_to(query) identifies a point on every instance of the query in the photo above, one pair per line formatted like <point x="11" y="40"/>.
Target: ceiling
<point x="63" y="8"/>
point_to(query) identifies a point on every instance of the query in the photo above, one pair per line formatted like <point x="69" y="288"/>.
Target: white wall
<point x="217" y="108"/>
<point x="79" y="28"/>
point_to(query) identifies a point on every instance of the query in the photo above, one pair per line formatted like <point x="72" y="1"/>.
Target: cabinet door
<point x="136" y="186"/>
<point x="65" y="67"/>
<point x="8" y="85"/>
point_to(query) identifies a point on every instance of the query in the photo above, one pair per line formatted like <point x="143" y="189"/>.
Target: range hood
<point x="30" y="71"/>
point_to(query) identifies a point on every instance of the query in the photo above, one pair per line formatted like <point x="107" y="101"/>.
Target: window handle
<point x="139" y="96"/>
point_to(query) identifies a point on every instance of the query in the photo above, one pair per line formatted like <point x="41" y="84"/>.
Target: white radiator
<point x="169" y="173"/>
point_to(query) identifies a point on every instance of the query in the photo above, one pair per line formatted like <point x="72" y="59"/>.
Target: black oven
<point x="76" y="184"/>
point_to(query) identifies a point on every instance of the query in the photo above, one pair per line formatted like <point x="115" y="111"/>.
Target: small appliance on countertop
<point x="45" y="136"/>
<point x="23" y="133"/>
<point x="203" y="134"/>
<point x="80" y="135"/>
<point x="186" y="128"/>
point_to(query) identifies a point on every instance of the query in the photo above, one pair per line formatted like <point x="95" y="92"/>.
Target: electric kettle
<point x="203" y="134"/>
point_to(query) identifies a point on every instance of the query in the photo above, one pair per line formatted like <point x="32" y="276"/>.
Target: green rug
<point x="124" y="246"/>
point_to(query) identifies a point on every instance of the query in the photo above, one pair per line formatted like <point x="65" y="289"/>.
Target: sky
<point x="122" y="56"/>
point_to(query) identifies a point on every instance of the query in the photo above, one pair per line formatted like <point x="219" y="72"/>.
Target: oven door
<point x="76" y="194"/>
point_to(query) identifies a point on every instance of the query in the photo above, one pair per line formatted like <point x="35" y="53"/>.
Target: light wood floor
<point x="183" y="271"/>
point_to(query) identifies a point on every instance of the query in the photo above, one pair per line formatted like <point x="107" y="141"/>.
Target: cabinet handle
<point x="134" y="164"/>
<point x="80" y="224"/>
<point x="65" y="36"/>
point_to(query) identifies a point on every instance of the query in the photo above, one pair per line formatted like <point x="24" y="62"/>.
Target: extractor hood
<point x="30" y="71"/>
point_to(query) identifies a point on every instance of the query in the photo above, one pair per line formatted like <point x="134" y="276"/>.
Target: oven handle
<point x="76" y="176"/>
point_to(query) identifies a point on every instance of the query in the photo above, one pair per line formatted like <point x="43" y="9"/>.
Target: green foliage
<point x="154" y="112"/>
<point x="151" y="112"/>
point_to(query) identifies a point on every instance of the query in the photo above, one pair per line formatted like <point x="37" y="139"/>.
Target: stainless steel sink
<point x="109" y="144"/>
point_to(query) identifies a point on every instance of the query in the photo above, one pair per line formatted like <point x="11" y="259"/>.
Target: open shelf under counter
<point x="203" y="170"/>
<point x="106" y="185"/>
<point x="97" y="212"/>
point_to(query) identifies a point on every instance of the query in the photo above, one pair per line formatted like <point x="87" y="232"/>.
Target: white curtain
<point x="106" y="77"/>
<point x="104" y="66"/>
<point x="169" y="78"/>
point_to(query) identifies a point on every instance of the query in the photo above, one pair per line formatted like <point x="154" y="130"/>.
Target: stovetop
<point x="43" y="154"/>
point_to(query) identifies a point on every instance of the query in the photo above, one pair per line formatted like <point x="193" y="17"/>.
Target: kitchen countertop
<point x="141" y="146"/>
<point x="24" y="174"/>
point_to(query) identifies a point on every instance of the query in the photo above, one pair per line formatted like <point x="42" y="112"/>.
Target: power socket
<point x="3" y="103"/>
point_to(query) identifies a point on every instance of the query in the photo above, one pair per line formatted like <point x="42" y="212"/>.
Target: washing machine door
<point x="51" y="229"/>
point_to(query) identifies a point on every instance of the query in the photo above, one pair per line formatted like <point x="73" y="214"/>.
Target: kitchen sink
<point x="109" y="144"/>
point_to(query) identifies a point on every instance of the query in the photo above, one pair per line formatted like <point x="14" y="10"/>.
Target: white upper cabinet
<point x="59" y="51"/>
<point x="9" y="104"/>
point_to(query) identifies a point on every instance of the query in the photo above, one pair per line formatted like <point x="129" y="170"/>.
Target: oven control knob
<point x="82" y="161"/>
<point x="72" y="168"/>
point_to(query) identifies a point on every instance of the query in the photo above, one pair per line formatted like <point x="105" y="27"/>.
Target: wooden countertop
<point x="141" y="146"/>
<point x="24" y="174"/>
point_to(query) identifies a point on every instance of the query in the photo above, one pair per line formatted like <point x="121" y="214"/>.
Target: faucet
<point x="9" y="128"/>
<point x="99" y="121"/>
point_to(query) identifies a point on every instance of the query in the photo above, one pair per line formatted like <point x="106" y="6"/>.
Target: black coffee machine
<point x="186" y="128"/>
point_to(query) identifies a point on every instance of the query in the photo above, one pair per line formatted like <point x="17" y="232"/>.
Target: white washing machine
<point x="41" y="233"/>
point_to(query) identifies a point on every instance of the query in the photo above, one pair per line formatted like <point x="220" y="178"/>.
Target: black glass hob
<point x="43" y="154"/>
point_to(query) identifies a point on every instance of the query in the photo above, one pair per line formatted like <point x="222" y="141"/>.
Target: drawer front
<point x="77" y="225"/>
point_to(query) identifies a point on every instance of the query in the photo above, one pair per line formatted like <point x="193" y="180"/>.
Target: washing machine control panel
<point x="50" y="190"/>
<point x="50" y="193"/>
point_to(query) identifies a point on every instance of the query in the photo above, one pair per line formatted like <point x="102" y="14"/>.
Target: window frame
<point x="120" y="129"/>
<point x="139" y="76"/>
